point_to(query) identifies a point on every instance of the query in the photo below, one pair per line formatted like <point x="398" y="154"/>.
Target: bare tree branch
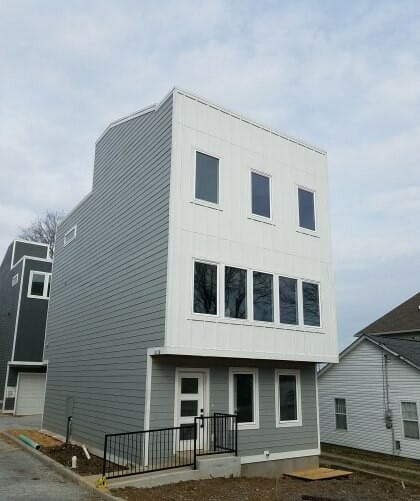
<point x="43" y="229"/>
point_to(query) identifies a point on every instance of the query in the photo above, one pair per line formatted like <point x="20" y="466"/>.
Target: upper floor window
<point x="288" y="404"/>
<point x="311" y="308"/>
<point x="410" y="419"/>
<point x="39" y="285"/>
<point x="306" y="209"/>
<point x="288" y="301"/>
<point x="263" y="296"/>
<point x="70" y="235"/>
<point x="205" y="288"/>
<point x="260" y="195"/>
<point x="206" y="178"/>
<point x="340" y="414"/>
<point x="235" y="292"/>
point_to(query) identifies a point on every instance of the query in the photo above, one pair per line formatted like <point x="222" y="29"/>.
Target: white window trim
<point x="223" y="291"/>
<point x="65" y="240"/>
<point x="300" y="294"/>
<point x="256" y="396"/>
<point x="206" y="315"/>
<point x="263" y="322"/>
<point x="411" y="401"/>
<point x="45" y="289"/>
<point x="288" y="372"/>
<point x="302" y="229"/>
<point x="258" y="217"/>
<point x="341" y="414"/>
<point x="199" y="201"/>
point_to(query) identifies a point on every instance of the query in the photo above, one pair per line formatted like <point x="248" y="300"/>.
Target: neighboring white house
<point x="371" y="399"/>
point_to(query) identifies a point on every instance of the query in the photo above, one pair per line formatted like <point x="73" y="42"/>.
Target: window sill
<point x="37" y="297"/>
<point x="310" y="233"/>
<point x="261" y="219"/>
<point x="288" y="424"/>
<point x="248" y="426"/>
<point x="209" y="205"/>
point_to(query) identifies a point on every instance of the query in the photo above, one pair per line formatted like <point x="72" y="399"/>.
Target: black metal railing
<point x="145" y="451"/>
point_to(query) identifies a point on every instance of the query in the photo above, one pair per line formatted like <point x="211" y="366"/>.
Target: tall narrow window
<point x="260" y="190"/>
<point x="205" y="288"/>
<point x="263" y="296"/>
<point x="340" y="414"/>
<point x="243" y="397"/>
<point x="288" y="301"/>
<point x="410" y="419"/>
<point x="207" y="178"/>
<point x="311" y="309"/>
<point x="235" y="292"/>
<point x="39" y="285"/>
<point x="288" y="398"/>
<point x="306" y="209"/>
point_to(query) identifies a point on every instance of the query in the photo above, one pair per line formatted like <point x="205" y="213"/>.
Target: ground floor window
<point x="243" y="397"/>
<point x="340" y="414"/>
<point x="410" y="419"/>
<point x="287" y="398"/>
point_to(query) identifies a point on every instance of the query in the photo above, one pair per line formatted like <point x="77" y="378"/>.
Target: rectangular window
<point x="288" y="301"/>
<point x="410" y="419"/>
<point x="340" y="414"/>
<point x="15" y="279"/>
<point x="235" y="292"/>
<point x="263" y="296"/>
<point x="288" y="402"/>
<point x="260" y="194"/>
<point x="311" y="309"/>
<point x="306" y="209"/>
<point x="207" y="178"/>
<point x="39" y="285"/>
<point x="205" y="288"/>
<point x="70" y="235"/>
<point x="243" y="397"/>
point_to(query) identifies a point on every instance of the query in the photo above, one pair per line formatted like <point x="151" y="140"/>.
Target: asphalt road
<point x="24" y="478"/>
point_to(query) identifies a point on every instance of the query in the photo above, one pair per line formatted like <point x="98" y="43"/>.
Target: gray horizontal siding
<point x="251" y="442"/>
<point x="109" y="285"/>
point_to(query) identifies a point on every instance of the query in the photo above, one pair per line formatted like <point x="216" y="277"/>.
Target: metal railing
<point x="145" y="451"/>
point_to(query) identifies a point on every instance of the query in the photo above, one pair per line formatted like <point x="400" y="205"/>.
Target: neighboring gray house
<point x="195" y="277"/>
<point x="24" y="289"/>
<point x="371" y="399"/>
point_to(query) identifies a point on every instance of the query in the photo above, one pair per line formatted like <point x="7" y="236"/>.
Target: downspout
<point x="387" y="407"/>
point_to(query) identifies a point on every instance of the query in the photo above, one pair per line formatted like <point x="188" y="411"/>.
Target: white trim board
<point x="258" y="458"/>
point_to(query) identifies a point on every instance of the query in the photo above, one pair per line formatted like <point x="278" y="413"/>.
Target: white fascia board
<point x="258" y="458"/>
<point x="15" y="363"/>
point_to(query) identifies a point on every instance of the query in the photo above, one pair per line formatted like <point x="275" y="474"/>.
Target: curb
<point x="62" y="470"/>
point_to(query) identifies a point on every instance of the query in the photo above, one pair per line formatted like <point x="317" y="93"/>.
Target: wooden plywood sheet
<point x="319" y="474"/>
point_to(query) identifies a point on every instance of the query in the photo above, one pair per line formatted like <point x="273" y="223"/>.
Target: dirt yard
<point x="359" y="487"/>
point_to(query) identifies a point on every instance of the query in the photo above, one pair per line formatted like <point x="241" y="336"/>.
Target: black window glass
<point x="189" y="385"/>
<point x="260" y="186"/>
<point x="288" y="301"/>
<point x="207" y="178"/>
<point x="37" y="286"/>
<point x="288" y="399"/>
<point x="263" y="296"/>
<point x="306" y="209"/>
<point x="310" y="293"/>
<point x="244" y="397"/>
<point x="235" y="292"/>
<point x="189" y="408"/>
<point x="205" y="288"/>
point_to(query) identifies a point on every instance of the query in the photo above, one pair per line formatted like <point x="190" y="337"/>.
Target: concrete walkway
<point x="7" y="421"/>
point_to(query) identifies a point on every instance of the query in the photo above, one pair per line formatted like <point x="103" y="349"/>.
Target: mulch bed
<point x="41" y="438"/>
<point x="359" y="487"/>
<point x="63" y="454"/>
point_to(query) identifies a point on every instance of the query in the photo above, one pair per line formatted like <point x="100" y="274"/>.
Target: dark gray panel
<point x="28" y="249"/>
<point x="108" y="290"/>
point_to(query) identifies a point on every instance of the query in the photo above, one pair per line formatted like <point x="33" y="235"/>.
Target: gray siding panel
<point x="28" y="249"/>
<point x="108" y="292"/>
<point x="251" y="442"/>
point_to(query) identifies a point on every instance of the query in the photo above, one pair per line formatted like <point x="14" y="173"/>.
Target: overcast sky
<point x="342" y="75"/>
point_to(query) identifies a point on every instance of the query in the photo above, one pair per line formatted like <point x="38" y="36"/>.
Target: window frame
<point x="299" y="306"/>
<point x="47" y="278"/>
<point x="298" y="420"/>
<point x="65" y="240"/>
<point x="199" y="201"/>
<point x="258" y="217"/>
<point x="273" y="322"/>
<point x="409" y="401"/>
<point x="206" y="315"/>
<point x="254" y="425"/>
<point x="302" y="229"/>
<point x="223" y="293"/>
<point x="341" y="414"/>
<point x="302" y="314"/>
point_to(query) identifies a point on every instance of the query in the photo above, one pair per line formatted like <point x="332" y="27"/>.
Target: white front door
<point x="190" y="403"/>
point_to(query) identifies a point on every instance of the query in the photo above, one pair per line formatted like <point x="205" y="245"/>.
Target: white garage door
<point x="30" y="393"/>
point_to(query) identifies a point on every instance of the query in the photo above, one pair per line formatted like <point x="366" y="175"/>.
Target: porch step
<point x="207" y="467"/>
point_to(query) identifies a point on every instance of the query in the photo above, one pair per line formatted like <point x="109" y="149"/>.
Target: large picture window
<point x="207" y="178"/>
<point x="306" y="200"/>
<point x="288" y="404"/>
<point x="263" y="296"/>
<point x="288" y="301"/>
<point x="311" y="308"/>
<point x="243" y="397"/>
<point x="260" y="195"/>
<point x="205" y="288"/>
<point x="410" y="419"/>
<point x="39" y="285"/>
<point x="235" y="292"/>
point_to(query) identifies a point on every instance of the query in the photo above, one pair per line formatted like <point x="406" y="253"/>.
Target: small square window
<point x="39" y="285"/>
<point x="306" y="209"/>
<point x="207" y="178"/>
<point x="70" y="235"/>
<point x="260" y="195"/>
<point x="205" y="288"/>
